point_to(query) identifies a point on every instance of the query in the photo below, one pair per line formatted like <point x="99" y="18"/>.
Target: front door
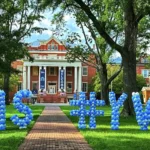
<point x="52" y="89"/>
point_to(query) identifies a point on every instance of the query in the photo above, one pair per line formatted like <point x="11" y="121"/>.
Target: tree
<point x="117" y="83"/>
<point x="16" y="22"/>
<point x="131" y="13"/>
<point x="14" y="79"/>
<point x="97" y="56"/>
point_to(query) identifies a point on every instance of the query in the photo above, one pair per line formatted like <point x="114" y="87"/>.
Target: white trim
<point x="75" y="79"/>
<point x="40" y="67"/>
<point x="54" y="64"/>
<point x="80" y="80"/>
<point x="64" y="78"/>
<point x="147" y="73"/>
<point x="86" y="87"/>
<point x="45" y="76"/>
<point x="28" y="76"/>
<point x="24" y="77"/>
<point x="87" y="70"/>
<point x="59" y="68"/>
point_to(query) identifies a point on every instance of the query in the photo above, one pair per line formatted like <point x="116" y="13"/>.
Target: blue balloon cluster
<point x="2" y="111"/>
<point x="115" y="108"/>
<point x="17" y="101"/>
<point x="142" y="117"/>
<point x="82" y="112"/>
<point x="93" y="112"/>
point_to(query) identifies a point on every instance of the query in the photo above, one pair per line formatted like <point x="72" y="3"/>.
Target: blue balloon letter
<point x="142" y="117"/>
<point x="2" y="111"/>
<point x="17" y="100"/>
<point x="115" y="109"/>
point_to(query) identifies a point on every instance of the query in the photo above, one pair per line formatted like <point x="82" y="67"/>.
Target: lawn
<point x="128" y="137"/>
<point x="12" y="137"/>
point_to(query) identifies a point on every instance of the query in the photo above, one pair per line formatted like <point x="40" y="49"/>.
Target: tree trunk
<point x="104" y="87"/>
<point x="129" y="57"/>
<point x="6" y="87"/>
<point x="129" y="78"/>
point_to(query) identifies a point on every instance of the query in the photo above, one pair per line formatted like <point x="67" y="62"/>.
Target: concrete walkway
<point x="54" y="131"/>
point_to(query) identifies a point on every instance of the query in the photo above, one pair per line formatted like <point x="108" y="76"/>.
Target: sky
<point x="46" y="23"/>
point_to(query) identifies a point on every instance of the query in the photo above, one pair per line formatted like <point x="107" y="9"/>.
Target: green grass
<point x="12" y="137"/>
<point x="128" y="137"/>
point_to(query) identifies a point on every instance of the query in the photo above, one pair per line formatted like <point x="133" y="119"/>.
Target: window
<point x="69" y="87"/>
<point x="34" y="84"/>
<point x="19" y="86"/>
<point x="69" y="71"/>
<point x="35" y="71"/>
<point x="53" y="47"/>
<point x="85" y="87"/>
<point x="84" y="71"/>
<point x="145" y="73"/>
<point x="52" y="71"/>
<point x="20" y="68"/>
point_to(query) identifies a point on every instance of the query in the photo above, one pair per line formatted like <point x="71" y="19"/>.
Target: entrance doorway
<point x="52" y="88"/>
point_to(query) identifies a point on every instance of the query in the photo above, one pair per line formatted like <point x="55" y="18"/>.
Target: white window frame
<point x="145" y="74"/>
<point x="86" y="87"/>
<point x="69" y="88"/>
<point x="84" y="67"/>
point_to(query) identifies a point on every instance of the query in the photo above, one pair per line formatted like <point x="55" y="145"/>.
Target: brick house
<point x="51" y="72"/>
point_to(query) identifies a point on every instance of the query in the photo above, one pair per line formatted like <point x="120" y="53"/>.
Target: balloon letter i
<point x="2" y="110"/>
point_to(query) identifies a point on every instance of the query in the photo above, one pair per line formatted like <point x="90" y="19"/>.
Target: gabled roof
<point x="51" y="38"/>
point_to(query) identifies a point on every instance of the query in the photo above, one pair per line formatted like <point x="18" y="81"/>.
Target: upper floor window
<point x="84" y="71"/>
<point x="144" y="60"/>
<point x="53" y="47"/>
<point x="35" y="71"/>
<point x="52" y="71"/>
<point x="145" y="73"/>
<point x="69" y="71"/>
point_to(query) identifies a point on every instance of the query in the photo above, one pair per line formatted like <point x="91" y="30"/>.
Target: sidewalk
<point x="54" y="131"/>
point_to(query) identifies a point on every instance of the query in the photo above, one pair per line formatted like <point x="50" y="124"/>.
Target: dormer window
<point x="53" y="47"/>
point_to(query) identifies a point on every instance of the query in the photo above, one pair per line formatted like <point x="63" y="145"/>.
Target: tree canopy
<point x="124" y="18"/>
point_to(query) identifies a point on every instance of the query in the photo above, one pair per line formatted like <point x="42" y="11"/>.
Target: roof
<point x="37" y="43"/>
<point x="145" y="89"/>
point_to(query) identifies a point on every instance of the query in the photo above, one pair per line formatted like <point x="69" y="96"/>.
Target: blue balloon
<point x="116" y="104"/>
<point x="17" y="101"/>
<point x="2" y="111"/>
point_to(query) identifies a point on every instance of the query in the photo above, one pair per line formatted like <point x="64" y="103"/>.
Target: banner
<point x="42" y="79"/>
<point x="61" y="79"/>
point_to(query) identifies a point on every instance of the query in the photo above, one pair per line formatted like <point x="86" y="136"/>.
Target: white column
<point x="64" y="78"/>
<point x="45" y="78"/>
<point x="40" y="67"/>
<point x="80" y="80"/>
<point x="28" y="77"/>
<point x="24" y="77"/>
<point x="75" y="79"/>
<point x="59" y="79"/>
